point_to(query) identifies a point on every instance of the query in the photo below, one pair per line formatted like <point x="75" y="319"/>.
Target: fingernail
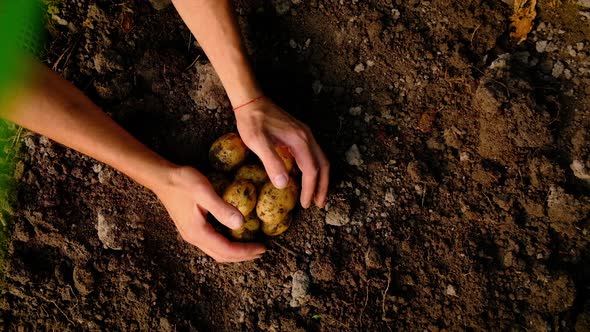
<point x="281" y="181"/>
<point x="236" y="220"/>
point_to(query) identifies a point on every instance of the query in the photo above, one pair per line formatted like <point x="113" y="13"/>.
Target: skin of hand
<point x="51" y="106"/>
<point x="187" y="196"/>
<point x="261" y="124"/>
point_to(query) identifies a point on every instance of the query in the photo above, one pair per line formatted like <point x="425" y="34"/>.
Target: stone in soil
<point x="353" y="156"/>
<point x="337" y="216"/>
<point x="107" y="232"/>
<point x="299" y="289"/>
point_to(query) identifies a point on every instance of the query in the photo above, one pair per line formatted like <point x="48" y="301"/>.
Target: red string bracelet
<point x="248" y="103"/>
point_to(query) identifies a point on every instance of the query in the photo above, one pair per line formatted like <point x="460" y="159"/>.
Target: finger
<point x="223" y="250"/>
<point x="324" y="176"/>
<point x="308" y="165"/>
<point x="273" y="164"/>
<point x="224" y="212"/>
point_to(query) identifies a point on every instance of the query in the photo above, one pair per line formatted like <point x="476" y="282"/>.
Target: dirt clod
<point x="322" y="269"/>
<point x="83" y="280"/>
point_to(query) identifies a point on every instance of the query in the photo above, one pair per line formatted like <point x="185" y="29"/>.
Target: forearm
<point x="214" y="25"/>
<point x="51" y="106"/>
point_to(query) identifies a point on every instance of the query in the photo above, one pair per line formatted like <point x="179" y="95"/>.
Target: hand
<point x="188" y="195"/>
<point x="263" y="125"/>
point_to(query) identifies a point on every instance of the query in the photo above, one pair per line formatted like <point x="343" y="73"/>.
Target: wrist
<point x="242" y="92"/>
<point x="157" y="176"/>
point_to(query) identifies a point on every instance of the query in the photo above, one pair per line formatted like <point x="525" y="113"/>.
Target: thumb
<point x="273" y="164"/>
<point x="224" y="212"/>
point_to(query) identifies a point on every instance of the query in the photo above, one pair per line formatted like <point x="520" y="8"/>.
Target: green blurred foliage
<point x="20" y="38"/>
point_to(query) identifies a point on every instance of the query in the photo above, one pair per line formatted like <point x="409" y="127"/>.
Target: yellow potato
<point x="286" y="156"/>
<point x="254" y="173"/>
<point x="248" y="230"/>
<point x="278" y="228"/>
<point x="219" y="181"/>
<point x="242" y="195"/>
<point x="274" y="204"/>
<point x="227" y="152"/>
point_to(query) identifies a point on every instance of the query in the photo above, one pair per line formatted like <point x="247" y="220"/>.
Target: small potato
<point x="248" y="230"/>
<point x="278" y="228"/>
<point x="274" y="204"/>
<point x="219" y="181"/>
<point x="286" y="156"/>
<point x="254" y="173"/>
<point x="227" y="152"/>
<point x="242" y="195"/>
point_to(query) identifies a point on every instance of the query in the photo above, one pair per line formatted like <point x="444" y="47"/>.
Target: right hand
<point x="188" y="196"/>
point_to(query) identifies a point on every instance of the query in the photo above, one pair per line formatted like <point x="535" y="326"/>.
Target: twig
<point x="365" y="305"/>
<point x="286" y="249"/>
<point x="383" y="313"/>
<point x="58" y="308"/>
<point x="193" y="63"/>
<point x="66" y="51"/>
<point x="489" y="201"/>
<point x="19" y="131"/>
<point x="473" y="34"/>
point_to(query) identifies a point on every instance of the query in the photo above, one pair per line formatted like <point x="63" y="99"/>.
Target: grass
<point x="20" y="38"/>
<point x="9" y="155"/>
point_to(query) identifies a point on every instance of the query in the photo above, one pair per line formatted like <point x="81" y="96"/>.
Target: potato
<point x="274" y="204"/>
<point x="248" y="230"/>
<point x="285" y="154"/>
<point x="278" y="228"/>
<point x="242" y="195"/>
<point x="227" y="152"/>
<point x="254" y="173"/>
<point x="219" y="181"/>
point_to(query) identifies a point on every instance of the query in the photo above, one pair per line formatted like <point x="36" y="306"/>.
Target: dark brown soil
<point x="462" y="206"/>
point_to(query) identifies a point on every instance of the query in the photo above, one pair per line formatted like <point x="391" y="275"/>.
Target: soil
<point x="460" y="193"/>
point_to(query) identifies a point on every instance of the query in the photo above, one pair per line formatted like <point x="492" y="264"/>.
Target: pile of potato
<point x="263" y="206"/>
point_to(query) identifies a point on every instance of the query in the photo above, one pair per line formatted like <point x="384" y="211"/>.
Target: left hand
<point x="264" y="125"/>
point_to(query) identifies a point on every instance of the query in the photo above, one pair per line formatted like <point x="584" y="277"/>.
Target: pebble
<point x="541" y="45"/>
<point x="450" y="291"/>
<point x="355" y="110"/>
<point x="317" y="86"/>
<point x="299" y="289"/>
<point x="353" y="156"/>
<point x="580" y="170"/>
<point x="337" y="217"/>
<point x="558" y="68"/>
<point x="359" y="68"/>
<point x="107" y="232"/>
